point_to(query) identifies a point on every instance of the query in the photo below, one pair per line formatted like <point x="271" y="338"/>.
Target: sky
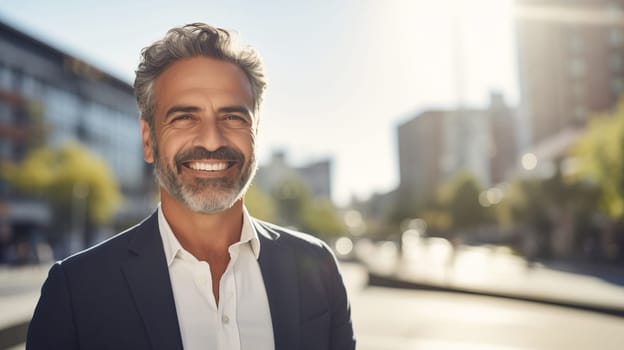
<point x="342" y="75"/>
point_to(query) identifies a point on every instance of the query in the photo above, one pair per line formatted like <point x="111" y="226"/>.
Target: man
<point x="199" y="273"/>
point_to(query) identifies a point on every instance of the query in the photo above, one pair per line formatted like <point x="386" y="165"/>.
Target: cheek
<point x="248" y="143"/>
<point x="170" y="144"/>
<point x="252" y="138"/>
<point x="241" y="139"/>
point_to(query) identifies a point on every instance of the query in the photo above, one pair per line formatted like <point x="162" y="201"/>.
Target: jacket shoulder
<point x="113" y="248"/>
<point x="293" y="238"/>
<point x="306" y="247"/>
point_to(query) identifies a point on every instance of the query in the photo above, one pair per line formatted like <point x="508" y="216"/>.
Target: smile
<point x="213" y="166"/>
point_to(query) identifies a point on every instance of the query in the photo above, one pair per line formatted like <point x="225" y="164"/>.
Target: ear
<point x="148" y="154"/>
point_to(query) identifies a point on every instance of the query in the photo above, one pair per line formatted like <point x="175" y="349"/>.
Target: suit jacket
<point x="118" y="295"/>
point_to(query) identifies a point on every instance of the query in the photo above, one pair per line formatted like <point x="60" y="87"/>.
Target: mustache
<point x="199" y="153"/>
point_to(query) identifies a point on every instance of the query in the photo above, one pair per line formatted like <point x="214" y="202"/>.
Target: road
<point x="389" y="319"/>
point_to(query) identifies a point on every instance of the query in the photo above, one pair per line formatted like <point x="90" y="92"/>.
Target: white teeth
<point x="208" y="167"/>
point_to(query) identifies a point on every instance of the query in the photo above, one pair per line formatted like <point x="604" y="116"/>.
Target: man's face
<point x="203" y="142"/>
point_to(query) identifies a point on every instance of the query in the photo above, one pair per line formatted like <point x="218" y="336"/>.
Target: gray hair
<point x="191" y="40"/>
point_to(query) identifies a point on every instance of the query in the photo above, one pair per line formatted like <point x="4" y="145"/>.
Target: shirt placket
<point x="227" y="306"/>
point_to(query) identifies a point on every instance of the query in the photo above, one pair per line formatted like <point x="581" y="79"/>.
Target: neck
<point x="206" y="236"/>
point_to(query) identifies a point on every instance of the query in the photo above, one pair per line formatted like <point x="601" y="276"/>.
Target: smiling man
<point x="199" y="273"/>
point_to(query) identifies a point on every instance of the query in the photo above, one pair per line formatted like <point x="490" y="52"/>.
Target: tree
<point x="73" y="181"/>
<point x="260" y="204"/>
<point x="600" y="158"/>
<point x="291" y="196"/>
<point x="322" y="218"/>
<point x="297" y="208"/>
<point x="459" y="197"/>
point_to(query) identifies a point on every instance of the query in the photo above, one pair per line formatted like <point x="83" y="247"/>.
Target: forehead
<point x="202" y="80"/>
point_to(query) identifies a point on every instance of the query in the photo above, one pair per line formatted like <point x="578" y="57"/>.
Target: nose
<point x="209" y="135"/>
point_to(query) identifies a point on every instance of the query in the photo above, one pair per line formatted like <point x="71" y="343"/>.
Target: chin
<point x="213" y="204"/>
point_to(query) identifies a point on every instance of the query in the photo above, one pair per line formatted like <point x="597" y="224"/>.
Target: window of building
<point x="31" y="87"/>
<point x="615" y="63"/>
<point x="580" y="113"/>
<point x="577" y="67"/>
<point x="62" y="109"/>
<point x="17" y="80"/>
<point x="115" y="137"/>
<point x="575" y="42"/>
<point x="5" y="149"/>
<point x="578" y="90"/>
<point x="615" y="7"/>
<point x="617" y="86"/>
<point x="6" y="113"/>
<point x="616" y="37"/>
<point x="6" y="77"/>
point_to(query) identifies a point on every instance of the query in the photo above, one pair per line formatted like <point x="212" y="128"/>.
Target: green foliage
<point x="544" y="205"/>
<point x="322" y="218"/>
<point x="291" y="196"/>
<point x="259" y="204"/>
<point x="35" y="174"/>
<point x="65" y="175"/>
<point x="296" y="208"/>
<point x="600" y="158"/>
<point x="527" y="202"/>
<point x="459" y="198"/>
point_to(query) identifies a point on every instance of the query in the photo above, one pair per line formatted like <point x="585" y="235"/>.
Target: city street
<point x="464" y="160"/>
<point x="399" y="319"/>
<point x="386" y="319"/>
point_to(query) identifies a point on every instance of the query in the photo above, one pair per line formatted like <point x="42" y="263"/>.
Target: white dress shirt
<point x="242" y="319"/>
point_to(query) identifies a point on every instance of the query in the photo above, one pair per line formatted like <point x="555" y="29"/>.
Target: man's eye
<point x="234" y="117"/>
<point x="236" y="120"/>
<point x="182" y="117"/>
<point x="182" y="121"/>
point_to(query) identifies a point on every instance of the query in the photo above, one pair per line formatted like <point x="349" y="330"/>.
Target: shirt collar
<point x="249" y="234"/>
<point x="173" y="247"/>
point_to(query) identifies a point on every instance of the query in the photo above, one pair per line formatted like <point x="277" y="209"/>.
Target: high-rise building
<point x="72" y="100"/>
<point x="49" y="97"/>
<point x="503" y="148"/>
<point x="436" y="144"/>
<point x="571" y="62"/>
<point x="421" y="146"/>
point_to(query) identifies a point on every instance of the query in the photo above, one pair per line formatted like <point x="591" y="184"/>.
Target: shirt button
<point x="225" y="319"/>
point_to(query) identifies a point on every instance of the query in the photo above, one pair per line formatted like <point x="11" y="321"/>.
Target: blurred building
<point x="571" y="63"/>
<point x="49" y="97"/>
<point x="503" y="147"/>
<point x="316" y="175"/>
<point x="571" y="67"/>
<point x="421" y="153"/>
<point x="434" y="145"/>
<point x="467" y="140"/>
<point x="74" y="101"/>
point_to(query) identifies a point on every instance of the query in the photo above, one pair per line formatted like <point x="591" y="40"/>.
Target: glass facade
<point x="111" y="134"/>
<point x="72" y="115"/>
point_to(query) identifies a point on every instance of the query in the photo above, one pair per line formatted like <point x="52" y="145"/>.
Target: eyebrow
<point x="194" y="109"/>
<point x="236" y="109"/>
<point x="181" y="109"/>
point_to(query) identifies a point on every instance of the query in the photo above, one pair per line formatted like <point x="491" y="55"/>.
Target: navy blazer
<point x="118" y="295"/>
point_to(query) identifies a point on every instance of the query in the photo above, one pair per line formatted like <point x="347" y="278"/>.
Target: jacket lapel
<point x="148" y="279"/>
<point x="279" y="271"/>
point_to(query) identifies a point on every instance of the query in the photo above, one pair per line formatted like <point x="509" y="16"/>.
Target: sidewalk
<point x="494" y="272"/>
<point x="19" y="292"/>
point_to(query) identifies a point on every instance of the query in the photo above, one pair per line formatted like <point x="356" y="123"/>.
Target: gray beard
<point x="206" y="196"/>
